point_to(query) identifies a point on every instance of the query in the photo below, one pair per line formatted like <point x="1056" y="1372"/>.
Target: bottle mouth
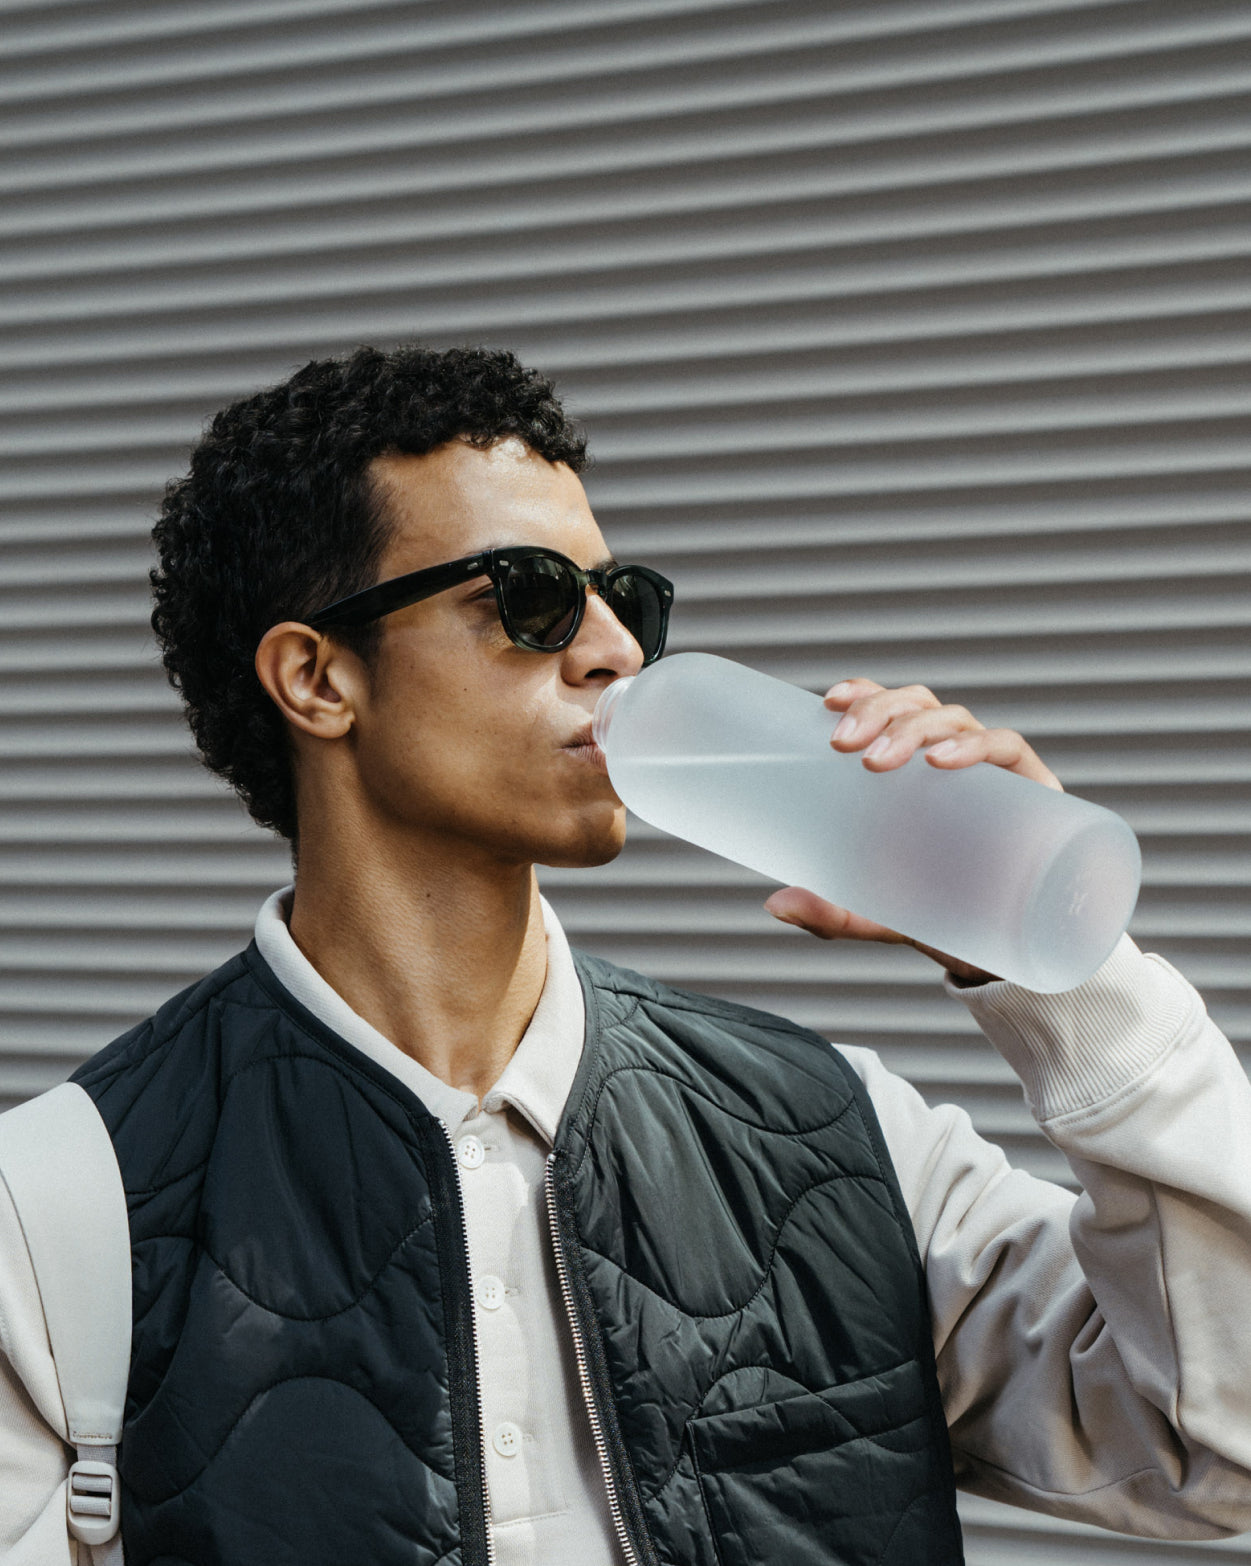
<point x="601" y="718"/>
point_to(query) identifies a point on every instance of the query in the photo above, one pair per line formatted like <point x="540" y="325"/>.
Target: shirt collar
<point x="536" y="1081"/>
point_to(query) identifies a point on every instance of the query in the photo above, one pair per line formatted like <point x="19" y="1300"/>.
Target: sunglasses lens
<point x="637" y="602"/>
<point x="544" y="599"/>
<point x="542" y="596"/>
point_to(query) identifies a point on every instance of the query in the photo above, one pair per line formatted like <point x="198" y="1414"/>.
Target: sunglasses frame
<point x="401" y="591"/>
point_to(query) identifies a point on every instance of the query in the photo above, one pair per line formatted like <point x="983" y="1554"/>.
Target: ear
<point x="310" y="678"/>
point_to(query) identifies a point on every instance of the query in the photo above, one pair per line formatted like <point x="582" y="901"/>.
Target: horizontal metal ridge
<point x="41" y="26"/>
<point x="216" y="912"/>
<point x="895" y="467"/>
<point x="1168" y="298"/>
<point x="485" y="56"/>
<point x="481" y="199"/>
<point x="1140" y="271"/>
<point x="899" y="240"/>
<point x="692" y="532"/>
<point x="849" y="571"/>
<point x="874" y="616"/>
<point x="66" y="26"/>
<point x="776" y="101"/>
<point x="34" y="821"/>
<point x="172" y="797"/>
<point x="262" y="864"/>
<point x="806" y="474"/>
<point x="665" y="119"/>
<point x="812" y="634"/>
<point x="751" y="419"/>
<point x="761" y="574"/>
<point x="478" y="42"/>
<point x="625" y="383"/>
<point x="1002" y="537"/>
<point x="831" y="567"/>
<point x="1108" y="666"/>
<point x="1162" y="807"/>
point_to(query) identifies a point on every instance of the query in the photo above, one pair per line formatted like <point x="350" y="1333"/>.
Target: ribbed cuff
<point x="1081" y="1048"/>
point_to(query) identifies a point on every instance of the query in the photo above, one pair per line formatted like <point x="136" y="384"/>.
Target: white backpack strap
<point x="57" y="1159"/>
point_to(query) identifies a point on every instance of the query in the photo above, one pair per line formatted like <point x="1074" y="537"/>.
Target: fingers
<point x="1001" y="747"/>
<point x="794" y="905"/>
<point x="840" y="696"/>
<point x="889" y="726"/>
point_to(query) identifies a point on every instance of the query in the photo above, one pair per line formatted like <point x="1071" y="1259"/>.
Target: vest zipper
<point x="629" y="1551"/>
<point x="475" y="1421"/>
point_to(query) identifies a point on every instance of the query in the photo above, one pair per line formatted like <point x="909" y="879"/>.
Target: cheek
<point x="456" y="749"/>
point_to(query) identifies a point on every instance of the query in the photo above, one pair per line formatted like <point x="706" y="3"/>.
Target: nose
<point x="603" y="646"/>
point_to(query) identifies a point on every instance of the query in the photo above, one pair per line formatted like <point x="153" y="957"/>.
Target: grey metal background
<point x="912" y="339"/>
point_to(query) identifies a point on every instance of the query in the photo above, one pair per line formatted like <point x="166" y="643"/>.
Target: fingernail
<point x="837" y="692"/>
<point x="947" y="748"/>
<point x="845" y="729"/>
<point x="879" y="746"/>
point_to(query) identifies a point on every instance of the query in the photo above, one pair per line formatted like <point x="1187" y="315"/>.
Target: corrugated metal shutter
<point x="912" y="339"/>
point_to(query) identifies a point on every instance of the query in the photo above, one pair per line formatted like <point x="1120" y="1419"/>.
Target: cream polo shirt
<point x="546" y="1496"/>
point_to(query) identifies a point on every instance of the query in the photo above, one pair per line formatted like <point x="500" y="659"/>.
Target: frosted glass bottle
<point x="1015" y="878"/>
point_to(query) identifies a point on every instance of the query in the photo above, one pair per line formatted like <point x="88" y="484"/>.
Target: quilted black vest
<point x="740" y="1274"/>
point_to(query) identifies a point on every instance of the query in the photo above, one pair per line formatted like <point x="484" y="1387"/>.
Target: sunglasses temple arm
<point x="398" y="593"/>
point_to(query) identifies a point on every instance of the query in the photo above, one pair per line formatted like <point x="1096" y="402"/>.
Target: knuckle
<point x="912" y="711"/>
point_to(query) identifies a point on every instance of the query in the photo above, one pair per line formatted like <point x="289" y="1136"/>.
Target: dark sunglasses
<point x="540" y="595"/>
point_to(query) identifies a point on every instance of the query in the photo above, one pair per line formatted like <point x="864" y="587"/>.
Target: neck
<point x="445" y="957"/>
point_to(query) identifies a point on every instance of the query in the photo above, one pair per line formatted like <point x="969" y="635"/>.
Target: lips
<point x="585" y="749"/>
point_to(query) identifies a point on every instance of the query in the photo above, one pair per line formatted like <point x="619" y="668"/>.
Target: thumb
<point x="786" y="905"/>
<point x="827" y="921"/>
<point x="794" y="905"/>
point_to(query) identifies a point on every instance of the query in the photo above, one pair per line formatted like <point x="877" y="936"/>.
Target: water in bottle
<point x="1019" y="880"/>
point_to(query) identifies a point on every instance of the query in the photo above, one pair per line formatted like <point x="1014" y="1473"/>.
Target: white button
<point x="490" y="1293"/>
<point x="471" y="1152"/>
<point x="507" y="1439"/>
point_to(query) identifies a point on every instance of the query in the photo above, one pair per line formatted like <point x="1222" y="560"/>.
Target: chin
<point x="588" y="849"/>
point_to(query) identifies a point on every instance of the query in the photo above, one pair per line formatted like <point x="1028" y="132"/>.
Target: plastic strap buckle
<point x="92" y="1497"/>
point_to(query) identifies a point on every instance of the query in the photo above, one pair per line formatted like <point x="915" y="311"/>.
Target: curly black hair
<point x="277" y="516"/>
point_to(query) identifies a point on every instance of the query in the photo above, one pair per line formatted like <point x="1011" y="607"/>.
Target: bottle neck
<point x="601" y="718"/>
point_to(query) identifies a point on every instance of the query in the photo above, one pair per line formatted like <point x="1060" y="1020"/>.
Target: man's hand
<point x="889" y="726"/>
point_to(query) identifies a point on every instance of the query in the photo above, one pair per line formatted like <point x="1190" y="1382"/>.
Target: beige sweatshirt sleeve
<point x="34" y="1456"/>
<point x="1093" y="1352"/>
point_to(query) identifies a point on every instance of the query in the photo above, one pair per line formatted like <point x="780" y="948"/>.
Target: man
<point x="448" y="1246"/>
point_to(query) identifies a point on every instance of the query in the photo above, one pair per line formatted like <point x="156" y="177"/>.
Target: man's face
<point x="461" y="736"/>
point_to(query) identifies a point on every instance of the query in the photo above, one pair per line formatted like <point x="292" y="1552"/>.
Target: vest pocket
<point x="848" y="1476"/>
